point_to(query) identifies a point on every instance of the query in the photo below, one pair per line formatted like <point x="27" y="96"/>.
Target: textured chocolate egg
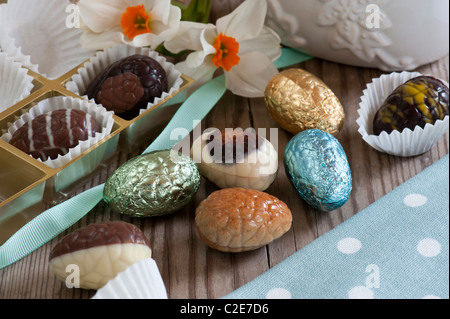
<point x="52" y="134"/>
<point x="298" y="100"/>
<point x="241" y="219"/>
<point x="152" y="184"/>
<point x="317" y="166"/>
<point x="417" y="102"/>
<point x="128" y="85"/>
<point x="97" y="253"/>
<point x="236" y="158"/>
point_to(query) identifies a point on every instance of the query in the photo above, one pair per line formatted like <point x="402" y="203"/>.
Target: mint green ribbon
<point x="57" y="219"/>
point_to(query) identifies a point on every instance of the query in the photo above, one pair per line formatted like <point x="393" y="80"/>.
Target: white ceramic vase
<point x="390" y="35"/>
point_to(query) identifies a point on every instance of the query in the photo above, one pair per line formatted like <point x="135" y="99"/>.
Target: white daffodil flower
<point x="239" y="43"/>
<point x="137" y="23"/>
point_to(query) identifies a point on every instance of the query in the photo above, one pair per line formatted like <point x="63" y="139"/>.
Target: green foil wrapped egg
<point x="152" y="184"/>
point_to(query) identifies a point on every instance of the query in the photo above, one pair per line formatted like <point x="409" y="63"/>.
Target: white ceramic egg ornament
<point x="390" y="35"/>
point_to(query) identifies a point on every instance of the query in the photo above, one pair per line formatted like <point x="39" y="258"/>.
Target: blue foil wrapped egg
<point x="317" y="166"/>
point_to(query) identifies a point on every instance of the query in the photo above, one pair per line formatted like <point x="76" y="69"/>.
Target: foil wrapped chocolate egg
<point x="317" y="166"/>
<point x="236" y="158"/>
<point x="418" y="101"/>
<point x="152" y="184"/>
<point x="298" y="100"/>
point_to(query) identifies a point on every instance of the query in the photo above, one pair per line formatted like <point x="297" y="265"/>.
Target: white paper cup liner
<point x="15" y="83"/>
<point x="39" y="30"/>
<point x="103" y="117"/>
<point x="8" y="47"/>
<point x="103" y="59"/>
<point x="141" y="280"/>
<point x="408" y="142"/>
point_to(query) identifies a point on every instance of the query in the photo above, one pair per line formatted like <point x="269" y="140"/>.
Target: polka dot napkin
<point x="397" y="248"/>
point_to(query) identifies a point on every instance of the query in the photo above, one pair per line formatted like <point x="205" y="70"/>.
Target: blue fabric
<point x="398" y="247"/>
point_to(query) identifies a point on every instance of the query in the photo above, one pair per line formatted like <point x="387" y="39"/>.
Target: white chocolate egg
<point x="236" y="158"/>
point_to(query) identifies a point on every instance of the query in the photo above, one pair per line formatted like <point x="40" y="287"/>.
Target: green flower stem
<point x="195" y="10"/>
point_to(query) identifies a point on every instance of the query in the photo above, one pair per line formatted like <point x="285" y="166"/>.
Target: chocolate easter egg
<point x="298" y="100"/>
<point x="236" y="158"/>
<point x="240" y="219"/>
<point x="99" y="252"/>
<point x="317" y="166"/>
<point x="152" y="184"/>
<point x="418" y="101"/>
<point x="128" y="85"/>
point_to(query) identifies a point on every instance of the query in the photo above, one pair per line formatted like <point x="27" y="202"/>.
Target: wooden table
<point x="192" y="270"/>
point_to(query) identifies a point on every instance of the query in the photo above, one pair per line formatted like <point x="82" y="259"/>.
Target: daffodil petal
<point x="141" y="40"/>
<point x="165" y="32"/>
<point x="250" y="77"/>
<point x="197" y="58"/>
<point x="101" y="15"/>
<point x="159" y="10"/>
<point x="245" y="22"/>
<point x="200" y="74"/>
<point x="267" y="42"/>
<point x="187" y="37"/>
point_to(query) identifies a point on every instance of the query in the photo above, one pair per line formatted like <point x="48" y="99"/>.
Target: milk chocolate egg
<point x="317" y="166"/>
<point x="236" y="158"/>
<point x="152" y="184"/>
<point x="52" y="134"/>
<point x="93" y="255"/>
<point x="241" y="219"/>
<point x="298" y="100"/>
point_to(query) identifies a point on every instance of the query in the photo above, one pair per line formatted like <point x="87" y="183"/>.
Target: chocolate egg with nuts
<point x="97" y="253"/>
<point x="152" y="184"/>
<point x="236" y="158"/>
<point x="298" y="100"/>
<point x="241" y="219"/>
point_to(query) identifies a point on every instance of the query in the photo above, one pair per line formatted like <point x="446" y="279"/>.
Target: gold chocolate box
<point x="26" y="182"/>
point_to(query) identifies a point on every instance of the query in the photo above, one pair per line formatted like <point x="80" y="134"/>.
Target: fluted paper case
<point x="27" y="183"/>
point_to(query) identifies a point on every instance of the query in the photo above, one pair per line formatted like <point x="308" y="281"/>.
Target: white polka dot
<point x="431" y="297"/>
<point x="349" y="245"/>
<point x="360" y="292"/>
<point x="278" y="293"/>
<point x="414" y="200"/>
<point x="429" y="247"/>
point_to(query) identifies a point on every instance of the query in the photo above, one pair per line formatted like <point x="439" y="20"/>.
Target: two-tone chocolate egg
<point x="97" y="253"/>
<point x="236" y="158"/>
<point x="419" y="101"/>
<point x="52" y="134"/>
<point x="128" y="85"/>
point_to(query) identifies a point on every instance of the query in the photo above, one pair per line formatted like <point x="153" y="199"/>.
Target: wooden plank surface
<point x="192" y="270"/>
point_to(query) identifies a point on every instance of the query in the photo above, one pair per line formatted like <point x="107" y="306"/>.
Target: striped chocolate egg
<point x="52" y="134"/>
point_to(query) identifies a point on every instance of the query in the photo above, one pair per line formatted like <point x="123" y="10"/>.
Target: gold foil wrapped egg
<point x="298" y="100"/>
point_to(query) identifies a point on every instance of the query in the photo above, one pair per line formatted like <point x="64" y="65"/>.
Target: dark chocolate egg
<point x="52" y="134"/>
<point x="417" y="102"/>
<point x="128" y="85"/>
